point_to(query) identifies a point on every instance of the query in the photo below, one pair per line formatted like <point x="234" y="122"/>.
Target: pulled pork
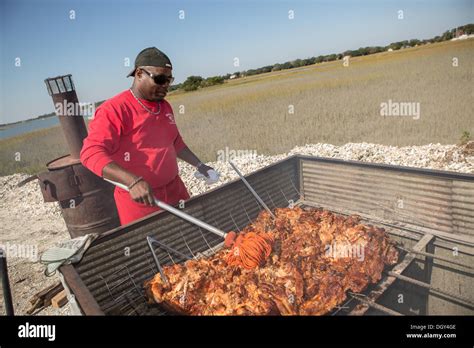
<point x="317" y="257"/>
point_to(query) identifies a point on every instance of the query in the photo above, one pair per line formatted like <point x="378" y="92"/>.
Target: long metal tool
<point x="179" y="213"/>
<point x="150" y="241"/>
<point x="255" y="194"/>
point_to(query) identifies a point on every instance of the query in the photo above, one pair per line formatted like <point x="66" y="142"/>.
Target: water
<point x="29" y="126"/>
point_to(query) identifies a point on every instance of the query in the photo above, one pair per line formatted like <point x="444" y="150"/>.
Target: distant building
<point x="461" y="37"/>
<point x="233" y="76"/>
<point x="390" y="50"/>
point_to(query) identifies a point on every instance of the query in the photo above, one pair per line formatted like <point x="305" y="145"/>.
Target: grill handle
<point x="178" y="213"/>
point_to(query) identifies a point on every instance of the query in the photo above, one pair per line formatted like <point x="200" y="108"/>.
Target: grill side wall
<point x="420" y="198"/>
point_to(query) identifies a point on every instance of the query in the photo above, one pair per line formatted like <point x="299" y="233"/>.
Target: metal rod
<point x="255" y="194"/>
<point x="134" y="284"/>
<point x="245" y="210"/>
<point x="171" y="250"/>
<point x="186" y="243"/>
<point x="386" y="282"/>
<point x="343" y="306"/>
<point x="430" y="287"/>
<point x="375" y="305"/>
<point x="271" y="200"/>
<point x="232" y="218"/>
<point x="205" y="240"/>
<point x="150" y="245"/>
<point x="171" y="257"/>
<point x="178" y="213"/>
<point x="433" y="256"/>
<point x="7" y="294"/>
<point x="283" y="193"/>
<point x="292" y="184"/>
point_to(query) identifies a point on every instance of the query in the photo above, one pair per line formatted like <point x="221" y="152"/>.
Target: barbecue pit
<point x="429" y="213"/>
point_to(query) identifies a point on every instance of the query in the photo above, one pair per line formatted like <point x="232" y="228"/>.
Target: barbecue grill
<point x="428" y="213"/>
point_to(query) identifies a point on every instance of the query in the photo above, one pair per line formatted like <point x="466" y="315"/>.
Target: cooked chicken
<point x="317" y="257"/>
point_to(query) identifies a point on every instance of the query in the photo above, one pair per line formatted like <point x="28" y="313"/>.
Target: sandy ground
<point x="29" y="226"/>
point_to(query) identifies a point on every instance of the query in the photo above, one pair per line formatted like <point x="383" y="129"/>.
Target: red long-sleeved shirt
<point x="144" y="144"/>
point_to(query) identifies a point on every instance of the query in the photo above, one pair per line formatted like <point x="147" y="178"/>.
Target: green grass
<point x="332" y="104"/>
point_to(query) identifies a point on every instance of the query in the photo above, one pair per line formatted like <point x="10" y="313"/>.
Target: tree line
<point x="193" y="83"/>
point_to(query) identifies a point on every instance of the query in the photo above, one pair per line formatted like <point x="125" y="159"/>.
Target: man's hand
<point x="203" y="169"/>
<point x="189" y="157"/>
<point x="142" y="192"/>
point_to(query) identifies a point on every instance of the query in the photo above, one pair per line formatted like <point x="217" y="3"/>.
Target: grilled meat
<point x="317" y="257"/>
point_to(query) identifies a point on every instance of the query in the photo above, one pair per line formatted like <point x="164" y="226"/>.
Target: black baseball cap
<point x="151" y="56"/>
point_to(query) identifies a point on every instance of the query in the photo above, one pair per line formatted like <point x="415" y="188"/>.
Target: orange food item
<point x="250" y="250"/>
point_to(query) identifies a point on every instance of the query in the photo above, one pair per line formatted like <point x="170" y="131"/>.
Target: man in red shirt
<point x="133" y="140"/>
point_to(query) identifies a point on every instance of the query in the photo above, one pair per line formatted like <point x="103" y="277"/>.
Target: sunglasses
<point x="160" y="79"/>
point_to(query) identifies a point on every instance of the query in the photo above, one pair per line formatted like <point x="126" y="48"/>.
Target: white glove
<point x="212" y="179"/>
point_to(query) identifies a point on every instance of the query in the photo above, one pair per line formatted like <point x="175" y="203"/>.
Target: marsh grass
<point x="332" y="104"/>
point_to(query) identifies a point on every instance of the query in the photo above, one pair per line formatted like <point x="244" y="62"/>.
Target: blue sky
<point x="94" y="46"/>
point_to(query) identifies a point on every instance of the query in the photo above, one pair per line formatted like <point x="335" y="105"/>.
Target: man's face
<point x="147" y="86"/>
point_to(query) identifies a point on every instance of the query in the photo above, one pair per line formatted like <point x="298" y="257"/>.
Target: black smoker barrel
<point x="86" y="201"/>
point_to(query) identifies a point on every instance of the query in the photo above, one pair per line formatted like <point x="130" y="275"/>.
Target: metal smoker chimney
<point x="62" y="90"/>
<point x="86" y="201"/>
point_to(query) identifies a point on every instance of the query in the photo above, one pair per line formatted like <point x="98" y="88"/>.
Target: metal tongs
<point x="178" y="213"/>
<point x="228" y="237"/>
